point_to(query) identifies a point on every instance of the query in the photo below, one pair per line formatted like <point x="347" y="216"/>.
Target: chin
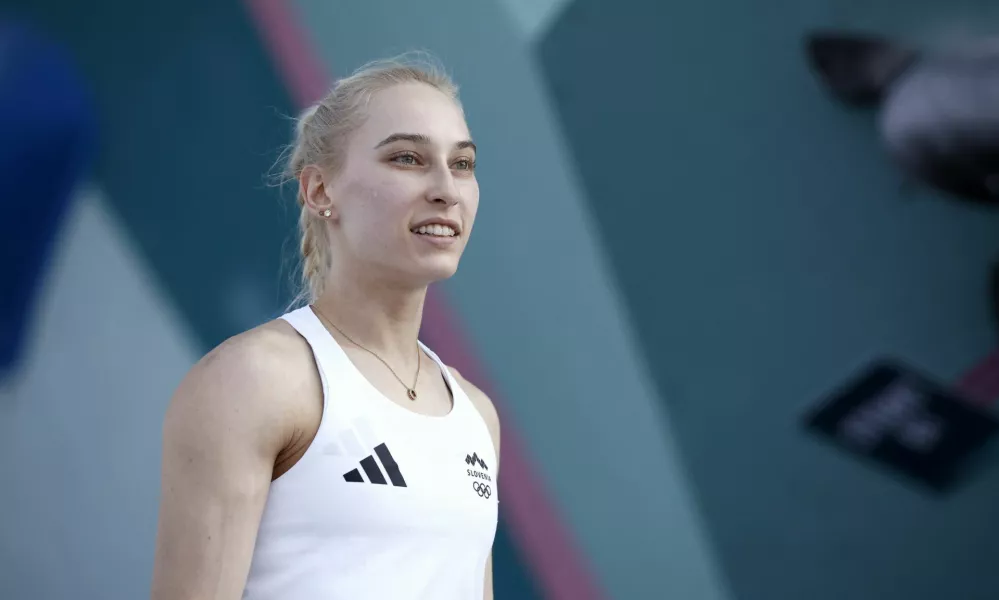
<point x="436" y="270"/>
<point x="440" y="275"/>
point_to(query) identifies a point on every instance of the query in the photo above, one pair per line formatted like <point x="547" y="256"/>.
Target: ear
<point x="858" y="69"/>
<point x="312" y="184"/>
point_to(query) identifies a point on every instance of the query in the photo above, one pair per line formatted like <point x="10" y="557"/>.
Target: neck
<point x="381" y="317"/>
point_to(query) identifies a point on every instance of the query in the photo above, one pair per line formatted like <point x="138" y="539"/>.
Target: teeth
<point x="438" y="230"/>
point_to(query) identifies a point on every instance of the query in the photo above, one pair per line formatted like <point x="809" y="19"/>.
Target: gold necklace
<point x="410" y="391"/>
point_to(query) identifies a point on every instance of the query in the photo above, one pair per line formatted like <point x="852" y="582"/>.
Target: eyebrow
<point x="419" y="138"/>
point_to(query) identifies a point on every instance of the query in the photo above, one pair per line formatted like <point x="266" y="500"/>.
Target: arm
<point x="223" y="430"/>
<point x="491" y="417"/>
<point x="488" y="593"/>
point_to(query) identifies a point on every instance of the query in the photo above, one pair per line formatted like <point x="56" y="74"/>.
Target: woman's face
<point x="405" y="198"/>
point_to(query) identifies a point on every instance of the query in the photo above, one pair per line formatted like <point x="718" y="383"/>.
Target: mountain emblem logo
<point x="473" y="459"/>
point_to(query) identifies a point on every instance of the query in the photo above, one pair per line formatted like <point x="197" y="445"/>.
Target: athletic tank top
<point x="385" y="504"/>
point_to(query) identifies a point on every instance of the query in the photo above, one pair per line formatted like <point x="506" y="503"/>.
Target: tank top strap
<point x="312" y="329"/>
<point x="330" y="358"/>
<point x="440" y="365"/>
<point x="462" y="407"/>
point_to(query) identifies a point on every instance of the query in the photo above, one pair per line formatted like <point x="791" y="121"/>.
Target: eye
<point x="464" y="164"/>
<point x="407" y="158"/>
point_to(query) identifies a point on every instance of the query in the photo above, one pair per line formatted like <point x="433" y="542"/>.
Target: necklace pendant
<point x="411" y="393"/>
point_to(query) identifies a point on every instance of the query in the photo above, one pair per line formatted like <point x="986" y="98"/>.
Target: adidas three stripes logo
<point x="373" y="473"/>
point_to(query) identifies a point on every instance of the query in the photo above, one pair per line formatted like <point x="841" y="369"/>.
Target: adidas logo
<point x="373" y="473"/>
<point x="475" y="460"/>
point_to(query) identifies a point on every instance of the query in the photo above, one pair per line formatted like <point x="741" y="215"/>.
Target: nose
<point x="443" y="189"/>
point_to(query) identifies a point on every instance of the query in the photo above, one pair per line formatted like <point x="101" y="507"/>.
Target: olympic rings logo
<point x="482" y="489"/>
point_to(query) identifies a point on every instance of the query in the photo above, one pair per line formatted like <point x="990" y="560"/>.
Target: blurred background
<point x="684" y="243"/>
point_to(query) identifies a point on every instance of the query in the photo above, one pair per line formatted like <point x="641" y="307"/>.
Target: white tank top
<point x="386" y="504"/>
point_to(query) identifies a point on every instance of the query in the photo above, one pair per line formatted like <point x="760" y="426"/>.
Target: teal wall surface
<point x="767" y="248"/>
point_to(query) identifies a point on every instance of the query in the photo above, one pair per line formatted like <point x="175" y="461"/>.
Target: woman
<point x="328" y="454"/>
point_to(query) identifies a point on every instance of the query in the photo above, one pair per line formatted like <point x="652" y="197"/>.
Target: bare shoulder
<point x="483" y="403"/>
<point x="252" y="380"/>
<point x="261" y="352"/>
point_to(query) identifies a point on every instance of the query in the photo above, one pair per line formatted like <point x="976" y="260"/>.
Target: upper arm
<point x="223" y="429"/>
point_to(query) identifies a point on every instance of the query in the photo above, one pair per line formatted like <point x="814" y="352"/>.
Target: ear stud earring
<point x="326" y="213"/>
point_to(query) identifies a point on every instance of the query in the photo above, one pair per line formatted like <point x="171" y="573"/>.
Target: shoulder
<point x="257" y="382"/>
<point x="483" y="403"/>
<point x="266" y="357"/>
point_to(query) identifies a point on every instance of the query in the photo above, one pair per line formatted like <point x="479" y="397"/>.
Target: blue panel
<point x="47" y="130"/>
<point x="192" y="124"/>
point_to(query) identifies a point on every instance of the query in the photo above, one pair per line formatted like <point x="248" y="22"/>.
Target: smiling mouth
<point x="443" y="231"/>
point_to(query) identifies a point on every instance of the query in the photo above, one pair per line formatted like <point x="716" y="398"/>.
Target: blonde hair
<point x="321" y="134"/>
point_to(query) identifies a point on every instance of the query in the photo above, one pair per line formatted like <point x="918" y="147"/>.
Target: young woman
<point x="329" y="454"/>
